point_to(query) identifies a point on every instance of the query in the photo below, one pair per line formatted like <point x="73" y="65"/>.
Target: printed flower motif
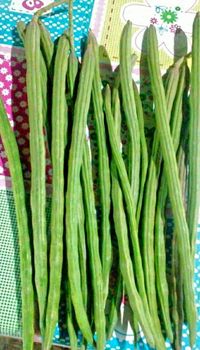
<point x="13" y="63"/>
<point x="168" y="16"/>
<point x="23" y="104"/>
<point x="32" y="4"/>
<point x="9" y="101"/>
<point x="5" y="92"/>
<point x="9" y="77"/>
<point x="17" y="73"/>
<point x="3" y="70"/>
<point x="153" y="20"/>
<point x="15" y="109"/>
<point x="18" y="94"/>
<point x="21" y="80"/>
<point x="174" y="28"/>
<point x="2" y="154"/>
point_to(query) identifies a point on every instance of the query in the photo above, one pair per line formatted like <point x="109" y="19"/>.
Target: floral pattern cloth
<point x="168" y="16"/>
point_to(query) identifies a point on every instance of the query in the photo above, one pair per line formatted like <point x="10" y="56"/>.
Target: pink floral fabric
<point x="13" y="93"/>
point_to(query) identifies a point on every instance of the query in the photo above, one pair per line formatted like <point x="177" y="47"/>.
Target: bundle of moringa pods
<point x="112" y="217"/>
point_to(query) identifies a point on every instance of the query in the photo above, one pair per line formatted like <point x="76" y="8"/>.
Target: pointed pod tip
<point x="91" y="35"/>
<point x="129" y="24"/>
<point x="196" y="22"/>
<point x="92" y="39"/>
<point x="152" y="29"/>
<point x="108" y="91"/>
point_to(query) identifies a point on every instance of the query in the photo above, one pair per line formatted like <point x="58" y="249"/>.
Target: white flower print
<point x="19" y="118"/>
<point x="5" y="92"/>
<point x="17" y="73"/>
<point x="21" y="80"/>
<point x="13" y="63"/>
<point x="3" y="154"/>
<point x="15" y="109"/>
<point x="23" y="104"/>
<point x="1" y="61"/>
<point x="25" y="126"/>
<point x="14" y="87"/>
<point x="3" y="70"/>
<point x="6" y="164"/>
<point x="50" y="172"/>
<point x="168" y="16"/>
<point x="1" y="84"/>
<point x="25" y="151"/>
<point x="8" y="77"/>
<point x="18" y="94"/>
<point x="7" y="56"/>
<point x="1" y="169"/>
<point x="12" y="124"/>
<point x="20" y="59"/>
<point x="21" y="141"/>
<point x="9" y="101"/>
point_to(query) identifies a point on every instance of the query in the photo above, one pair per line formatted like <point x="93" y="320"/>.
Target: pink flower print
<point x="174" y="28"/>
<point x="153" y="20"/>
<point x="32" y="4"/>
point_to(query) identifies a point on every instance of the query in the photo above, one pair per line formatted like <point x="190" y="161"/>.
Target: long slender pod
<point x="176" y="285"/>
<point x="82" y="248"/>
<point x="144" y="151"/>
<point x="81" y="109"/>
<point x="117" y="116"/>
<point x="70" y="325"/>
<point x="73" y="61"/>
<point x="194" y="137"/>
<point x="21" y="28"/>
<point x="73" y="70"/>
<point x="104" y="170"/>
<point x="130" y="109"/>
<point x="126" y="266"/>
<point x="171" y="171"/>
<point x="37" y="154"/>
<point x="114" y="310"/>
<point x="27" y="293"/>
<point x="149" y="208"/>
<point x="137" y="301"/>
<point x="47" y="51"/>
<point x="160" y="255"/>
<point x="59" y="131"/>
<point x="93" y="248"/>
<point x="47" y="45"/>
<point x="116" y="299"/>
